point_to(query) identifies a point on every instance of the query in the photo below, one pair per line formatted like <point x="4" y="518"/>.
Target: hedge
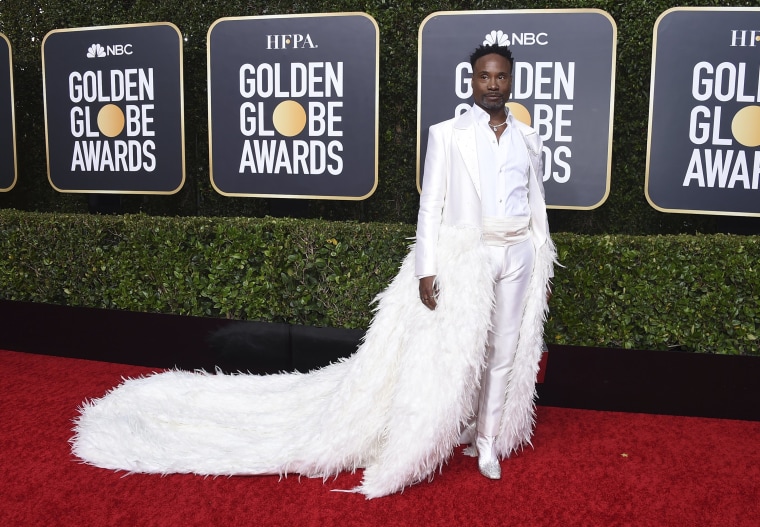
<point x="688" y="292"/>
<point x="26" y="22"/>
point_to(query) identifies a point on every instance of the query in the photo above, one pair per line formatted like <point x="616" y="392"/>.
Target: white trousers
<point x="511" y="267"/>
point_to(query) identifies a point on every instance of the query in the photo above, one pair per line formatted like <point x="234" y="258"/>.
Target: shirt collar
<point x="482" y="117"/>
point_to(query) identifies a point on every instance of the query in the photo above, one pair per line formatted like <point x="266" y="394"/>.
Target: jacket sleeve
<point x="435" y="176"/>
<point x="540" y="178"/>
<point x="540" y="181"/>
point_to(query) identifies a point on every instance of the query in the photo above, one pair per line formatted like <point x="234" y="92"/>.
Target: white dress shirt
<point x="504" y="169"/>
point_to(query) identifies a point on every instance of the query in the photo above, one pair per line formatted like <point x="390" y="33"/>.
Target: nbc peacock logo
<point x="501" y="38"/>
<point x="111" y="50"/>
<point x="96" y="51"/>
<point x="496" y="38"/>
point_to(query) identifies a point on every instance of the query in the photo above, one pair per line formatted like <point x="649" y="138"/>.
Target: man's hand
<point x="428" y="292"/>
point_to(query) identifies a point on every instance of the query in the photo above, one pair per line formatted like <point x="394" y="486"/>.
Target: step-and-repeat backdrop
<point x="293" y="104"/>
<point x="563" y="84"/>
<point x="114" y="109"/>
<point x="704" y="119"/>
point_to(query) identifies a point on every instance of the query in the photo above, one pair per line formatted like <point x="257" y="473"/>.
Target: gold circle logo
<point x="746" y="126"/>
<point x="110" y="120"/>
<point x="289" y="118"/>
<point x="520" y="112"/>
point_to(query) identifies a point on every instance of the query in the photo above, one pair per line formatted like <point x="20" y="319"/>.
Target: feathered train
<point x="394" y="408"/>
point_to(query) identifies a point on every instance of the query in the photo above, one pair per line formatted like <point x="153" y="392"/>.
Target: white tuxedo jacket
<point x="451" y="186"/>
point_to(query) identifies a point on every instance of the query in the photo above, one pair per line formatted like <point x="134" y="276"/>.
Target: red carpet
<point x="588" y="468"/>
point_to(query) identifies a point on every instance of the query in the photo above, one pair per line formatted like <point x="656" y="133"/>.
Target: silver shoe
<point x="488" y="463"/>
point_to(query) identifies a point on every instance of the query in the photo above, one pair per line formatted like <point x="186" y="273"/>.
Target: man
<point x="398" y="405"/>
<point x="483" y="169"/>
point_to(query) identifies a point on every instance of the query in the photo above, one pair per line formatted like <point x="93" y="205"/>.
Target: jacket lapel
<point x="464" y="137"/>
<point x="535" y="188"/>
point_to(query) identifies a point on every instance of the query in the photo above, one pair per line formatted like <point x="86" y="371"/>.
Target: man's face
<point x="491" y="82"/>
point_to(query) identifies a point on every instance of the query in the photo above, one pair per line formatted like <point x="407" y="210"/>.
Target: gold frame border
<point x="181" y="106"/>
<point x="13" y="115"/>
<point x="377" y="105"/>
<point x="605" y="14"/>
<point x="651" y="108"/>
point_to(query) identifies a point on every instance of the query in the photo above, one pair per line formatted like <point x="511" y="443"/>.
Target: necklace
<point x="495" y="127"/>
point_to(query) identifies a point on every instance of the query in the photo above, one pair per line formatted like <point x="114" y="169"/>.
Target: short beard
<point x="492" y="105"/>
